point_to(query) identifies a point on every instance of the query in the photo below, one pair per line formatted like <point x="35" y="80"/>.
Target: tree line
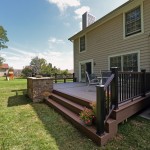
<point x="41" y="67"/>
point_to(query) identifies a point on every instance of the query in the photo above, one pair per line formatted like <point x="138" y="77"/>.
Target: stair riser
<point x="73" y="99"/>
<point x="68" y="106"/>
<point x="77" y="124"/>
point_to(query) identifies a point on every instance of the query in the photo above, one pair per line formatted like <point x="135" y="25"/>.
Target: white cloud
<point x="61" y="60"/>
<point x="21" y="52"/>
<point x="64" y="4"/>
<point x="80" y="11"/>
<point x="18" y="58"/>
<point x="67" y="24"/>
<point x="53" y="40"/>
<point x="3" y="55"/>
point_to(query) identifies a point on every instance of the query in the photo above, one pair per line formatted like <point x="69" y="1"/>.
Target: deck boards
<point x="78" y="90"/>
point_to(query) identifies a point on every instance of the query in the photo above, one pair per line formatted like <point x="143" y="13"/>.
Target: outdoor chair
<point x="105" y="74"/>
<point x="92" y="79"/>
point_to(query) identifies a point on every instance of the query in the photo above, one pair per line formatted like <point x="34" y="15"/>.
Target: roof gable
<point x="112" y="14"/>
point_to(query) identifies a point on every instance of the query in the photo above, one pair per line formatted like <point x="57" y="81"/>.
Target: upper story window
<point x="82" y="43"/>
<point x="133" y="21"/>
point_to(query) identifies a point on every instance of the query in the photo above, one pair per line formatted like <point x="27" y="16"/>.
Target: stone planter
<point x="39" y="88"/>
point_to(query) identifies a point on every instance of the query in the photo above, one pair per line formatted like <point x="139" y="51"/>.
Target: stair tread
<point x="69" y="102"/>
<point x="84" y="102"/>
<point x="72" y="115"/>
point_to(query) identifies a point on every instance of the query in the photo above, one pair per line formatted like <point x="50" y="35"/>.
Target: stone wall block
<point x="39" y="88"/>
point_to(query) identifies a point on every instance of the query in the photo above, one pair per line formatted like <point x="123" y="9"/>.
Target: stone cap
<point x="42" y="78"/>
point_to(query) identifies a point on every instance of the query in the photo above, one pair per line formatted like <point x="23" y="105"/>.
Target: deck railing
<point x="64" y="78"/>
<point x="119" y="88"/>
<point x="130" y="85"/>
<point x="147" y="82"/>
<point x="106" y="100"/>
<point x="61" y="77"/>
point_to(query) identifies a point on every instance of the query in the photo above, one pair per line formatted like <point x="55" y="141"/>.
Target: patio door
<point x="83" y="75"/>
<point x="126" y="62"/>
<point x="85" y="66"/>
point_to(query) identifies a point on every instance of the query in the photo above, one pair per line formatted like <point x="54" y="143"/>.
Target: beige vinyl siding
<point x="108" y="39"/>
<point x="76" y="58"/>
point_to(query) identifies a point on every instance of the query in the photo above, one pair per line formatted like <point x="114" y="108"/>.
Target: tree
<point x="1" y="60"/>
<point x="39" y="65"/>
<point x="27" y="71"/>
<point x="3" y="38"/>
<point x="65" y="72"/>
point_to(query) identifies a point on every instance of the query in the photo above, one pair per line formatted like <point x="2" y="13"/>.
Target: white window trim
<point x="83" y="62"/>
<point x="85" y="43"/>
<point x="142" y="20"/>
<point x="121" y="54"/>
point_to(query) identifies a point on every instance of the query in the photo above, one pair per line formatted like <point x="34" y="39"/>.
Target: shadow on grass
<point x="20" y="98"/>
<point x="61" y="130"/>
<point x="57" y="127"/>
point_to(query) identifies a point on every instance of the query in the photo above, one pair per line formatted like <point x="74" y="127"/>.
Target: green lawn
<point x="28" y="126"/>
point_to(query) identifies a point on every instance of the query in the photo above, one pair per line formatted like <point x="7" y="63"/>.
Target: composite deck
<point x="77" y="89"/>
<point x="69" y="99"/>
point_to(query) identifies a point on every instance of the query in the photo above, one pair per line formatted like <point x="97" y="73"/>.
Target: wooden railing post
<point x="74" y="79"/>
<point x="65" y="79"/>
<point x="114" y="87"/>
<point x="143" y="82"/>
<point x="100" y="109"/>
<point x="55" y="77"/>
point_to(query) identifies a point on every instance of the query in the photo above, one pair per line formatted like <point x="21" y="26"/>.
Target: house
<point x="17" y="72"/>
<point x="121" y="38"/>
<point x="3" y="69"/>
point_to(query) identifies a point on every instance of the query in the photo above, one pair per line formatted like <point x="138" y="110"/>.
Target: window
<point x="133" y="21"/>
<point x="82" y="43"/>
<point x="128" y="62"/>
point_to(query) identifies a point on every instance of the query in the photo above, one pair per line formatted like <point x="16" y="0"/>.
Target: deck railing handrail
<point x="61" y="76"/>
<point x="108" y="81"/>
<point x="106" y="100"/>
<point x="119" y="88"/>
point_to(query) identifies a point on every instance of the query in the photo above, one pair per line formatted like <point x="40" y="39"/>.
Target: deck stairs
<point x="70" y="107"/>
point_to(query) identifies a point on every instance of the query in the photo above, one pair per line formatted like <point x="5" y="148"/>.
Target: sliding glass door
<point x="127" y="62"/>
<point x="85" y="66"/>
<point x="116" y="62"/>
<point x="83" y="74"/>
<point x="130" y="62"/>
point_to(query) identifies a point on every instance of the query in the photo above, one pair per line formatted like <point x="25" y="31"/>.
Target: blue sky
<point x="42" y="28"/>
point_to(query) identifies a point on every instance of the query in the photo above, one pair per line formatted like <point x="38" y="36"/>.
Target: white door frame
<point x="84" y="62"/>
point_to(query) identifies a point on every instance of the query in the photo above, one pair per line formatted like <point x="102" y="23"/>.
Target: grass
<point x="31" y="126"/>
